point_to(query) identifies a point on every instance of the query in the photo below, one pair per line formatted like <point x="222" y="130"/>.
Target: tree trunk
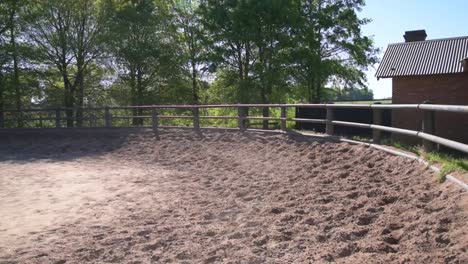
<point x="318" y="80"/>
<point x="133" y="94"/>
<point x="318" y="89"/>
<point x="80" y="94"/>
<point x="15" y="82"/>
<point x="318" y="85"/>
<point x="68" y="89"/>
<point x="246" y="83"/>
<point x="243" y="111"/>
<point x="241" y="73"/>
<point x="266" y="113"/>
<point x="194" y="83"/>
<point x="311" y="90"/>
<point x="2" y="106"/>
<point x="80" y="65"/>
<point x="263" y="84"/>
<point x="265" y="110"/>
<point x="69" y="111"/>
<point x="195" y="88"/>
<point x="247" y="60"/>
<point x="140" y="95"/>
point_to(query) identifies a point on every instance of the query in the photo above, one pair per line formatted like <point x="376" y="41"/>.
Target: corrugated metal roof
<point x="437" y="56"/>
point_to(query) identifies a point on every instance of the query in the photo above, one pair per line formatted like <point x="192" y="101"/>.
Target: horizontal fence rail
<point x="153" y="115"/>
<point x="434" y="107"/>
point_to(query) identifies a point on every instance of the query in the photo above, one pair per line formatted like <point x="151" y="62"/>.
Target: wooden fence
<point x="150" y="116"/>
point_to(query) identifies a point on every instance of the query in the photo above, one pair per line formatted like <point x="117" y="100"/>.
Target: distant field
<point x="387" y="101"/>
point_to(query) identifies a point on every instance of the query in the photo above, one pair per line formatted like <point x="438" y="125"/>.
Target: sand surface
<point x="223" y="197"/>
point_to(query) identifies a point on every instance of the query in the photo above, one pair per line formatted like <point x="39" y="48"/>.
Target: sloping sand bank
<point x="224" y="197"/>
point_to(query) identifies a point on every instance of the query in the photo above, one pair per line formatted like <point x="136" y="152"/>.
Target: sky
<point x="391" y="18"/>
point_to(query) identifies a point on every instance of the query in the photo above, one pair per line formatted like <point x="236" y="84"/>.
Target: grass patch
<point x="362" y="139"/>
<point x="447" y="163"/>
<point x="411" y="148"/>
<point x="365" y="102"/>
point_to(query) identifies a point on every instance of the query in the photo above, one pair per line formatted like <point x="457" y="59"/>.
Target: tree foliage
<point x="329" y="45"/>
<point x="78" y="53"/>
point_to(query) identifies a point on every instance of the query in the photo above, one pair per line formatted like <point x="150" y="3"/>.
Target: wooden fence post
<point x="283" y="118"/>
<point x="377" y="120"/>
<point x="2" y="119"/>
<point x="155" y="123"/>
<point x="21" y="119"/>
<point x="93" y="121"/>
<point x="57" y="118"/>
<point x="329" y="125"/>
<point x="240" y="120"/>
<point x="196" y="118"/>
<point x="428" y="127"/>
<point x="41" y="124"/>
<point x="108" y="117"/>
<point x="155" y="120"/>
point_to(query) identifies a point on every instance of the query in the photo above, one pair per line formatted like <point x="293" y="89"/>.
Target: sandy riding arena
<point x="121" y="196"/>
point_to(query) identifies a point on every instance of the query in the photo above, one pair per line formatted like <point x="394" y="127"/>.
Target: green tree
<point x="135" y="52"/>
<point x="86" y="46"/>
<point x="328" y="42"/>
<point x="14" y="54"/>
<point x="140" y="38"/>
<point x="13" y="25"/>
<point x="65" y="33"/>
<point x="231" y="40"/>
<point x="353" y="94"/>
<point x="249" y="40"/>
<point x="192" y="50"/>
<point x="4" y="25"/>
<point x="271" y="22"/>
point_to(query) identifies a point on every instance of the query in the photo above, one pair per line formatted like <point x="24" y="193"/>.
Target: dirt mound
<point x="220" y="197"/>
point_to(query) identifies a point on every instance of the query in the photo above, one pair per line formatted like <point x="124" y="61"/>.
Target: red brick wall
<point x="440" y="89"/>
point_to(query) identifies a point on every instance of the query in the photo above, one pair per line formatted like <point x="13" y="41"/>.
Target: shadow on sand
<point x="25" y="145"/>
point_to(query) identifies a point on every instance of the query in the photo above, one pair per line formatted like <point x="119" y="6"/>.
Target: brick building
<point x="433" y="70"/>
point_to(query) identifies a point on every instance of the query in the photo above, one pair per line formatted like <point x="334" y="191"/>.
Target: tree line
<point x="80" y="53"/>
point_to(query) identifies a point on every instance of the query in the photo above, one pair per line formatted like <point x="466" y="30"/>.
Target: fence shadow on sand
<point x="25" y="145"/>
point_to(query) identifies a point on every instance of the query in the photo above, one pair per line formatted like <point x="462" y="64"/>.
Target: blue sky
<point x="391" y="18"/>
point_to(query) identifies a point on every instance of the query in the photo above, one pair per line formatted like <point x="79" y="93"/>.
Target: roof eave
<point x="412" y="75"/>
<point x="384" y="77"/>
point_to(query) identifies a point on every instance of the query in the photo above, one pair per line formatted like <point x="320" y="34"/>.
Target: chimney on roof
<point x="415" y="35"/>
<point x="465" y="64"/>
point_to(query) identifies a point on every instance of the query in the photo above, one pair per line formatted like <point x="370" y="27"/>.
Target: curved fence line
<point x="433" y="107"/>
<point x="104" y="117"/>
